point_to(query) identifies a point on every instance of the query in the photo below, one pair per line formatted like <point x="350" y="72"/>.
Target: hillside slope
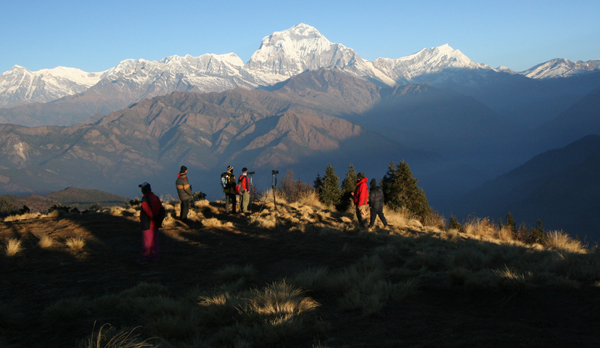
<point x="558" y="187"/>
<point x="300" y="275"/>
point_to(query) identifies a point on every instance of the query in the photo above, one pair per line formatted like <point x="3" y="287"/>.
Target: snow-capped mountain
<point x="21" y="86"/>
<point x="281" y="55"/>
<point x="426" y="61"/>
<point x="561" y="68"/>
<point x="135" y="80"/>
<point x="287" y="53"/>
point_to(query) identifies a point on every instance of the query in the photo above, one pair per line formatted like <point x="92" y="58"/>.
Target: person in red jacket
<point x="244" y="183"/>
<point x="151" y="206"/>
<point x="361" y="199"/>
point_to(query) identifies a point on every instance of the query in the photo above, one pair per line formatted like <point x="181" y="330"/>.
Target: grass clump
<point x="559" y="240"/>
<point x="46" y="242"/>
<point x="108" y="337"/>
<point x="76" y="244"/>
<point x="13" y="247"/>
<point x="235" y="273"/>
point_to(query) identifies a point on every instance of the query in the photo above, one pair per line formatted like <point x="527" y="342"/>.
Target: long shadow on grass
<point x="191" y="253"/>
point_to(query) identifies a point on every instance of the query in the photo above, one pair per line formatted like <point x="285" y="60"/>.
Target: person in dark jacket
<point x="184" y="190"/>
<point x="376" y="203"/>
<point x="228" y="182"/>
<point x="361" y="199"/>
<point x="151" y="206"/>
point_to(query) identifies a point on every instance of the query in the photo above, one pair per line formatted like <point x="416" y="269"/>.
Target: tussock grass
<point x="257" y="316"/>
<point x="65" y="310"/>
<point x="511" y="280"/>
<point x="214" y="222"/>
<point x="480" y="228"/>
<point x="46" y="242"/>
<point x="108" y="337"/>
<point x="401" y="219"/>
<point x="144" y="289"/>
<point x="13" y="247"/>
<point x="21" y="217"/>
<point x="561" y="241"/>
<point x="76" y="244"/>
<point x="235" y="273"/>
<point x="313" y="279"/>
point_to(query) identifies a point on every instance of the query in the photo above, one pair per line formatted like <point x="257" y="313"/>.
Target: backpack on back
<point x="224" y="180"/>
<point x="162" y="213"/>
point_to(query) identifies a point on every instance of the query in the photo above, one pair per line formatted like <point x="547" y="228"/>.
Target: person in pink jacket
<point x="361" y="199"/>
<point x="150" y="209"/>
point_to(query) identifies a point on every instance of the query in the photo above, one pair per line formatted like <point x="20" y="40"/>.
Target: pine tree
<point x="400" y="190"/>
<point x="348" y="187"/>
<point x="510" y="222"/>
<point x="318" y="183"/>
<point x="328" y="187"/>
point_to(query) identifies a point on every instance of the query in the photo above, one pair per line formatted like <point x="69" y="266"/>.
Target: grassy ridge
<point x="300" y="274"/>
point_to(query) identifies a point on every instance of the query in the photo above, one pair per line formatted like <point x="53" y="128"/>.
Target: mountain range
<point x="299" y="103"/>
<point x="70" y="96"/>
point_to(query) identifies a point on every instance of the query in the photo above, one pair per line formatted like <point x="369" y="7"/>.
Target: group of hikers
<point x="152" y="207"/>
<point x="152" y="211"/>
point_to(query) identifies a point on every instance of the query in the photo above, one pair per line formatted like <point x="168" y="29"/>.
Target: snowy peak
<point x="287" y="53"/>
<point x="21" y="86"/>
<point x="561" y="68"/>
<point x="426" y="61"/>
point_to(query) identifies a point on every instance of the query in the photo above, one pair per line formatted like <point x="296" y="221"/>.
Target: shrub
<point x="454" y="224"/>
<point x="294" y="189"/>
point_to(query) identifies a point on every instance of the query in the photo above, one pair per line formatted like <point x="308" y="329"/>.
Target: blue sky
<point x="96" y="35"/>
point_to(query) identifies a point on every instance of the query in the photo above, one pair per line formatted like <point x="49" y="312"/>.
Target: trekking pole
<point x="273" y="187"/>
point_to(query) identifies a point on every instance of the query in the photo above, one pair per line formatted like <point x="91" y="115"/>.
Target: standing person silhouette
<point x="361" y="199"/>
<point x="376" y="203"/>
<point x="244" y="183"/>
<point x="149" y="213"/>
<point x="184" y="190"/>
<point x="228" y="183"/>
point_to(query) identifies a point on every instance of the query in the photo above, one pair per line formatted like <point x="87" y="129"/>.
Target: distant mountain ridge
<point x="254" y="128"/>
<point x="559" y="187"/>
<point x="281" y="55"/>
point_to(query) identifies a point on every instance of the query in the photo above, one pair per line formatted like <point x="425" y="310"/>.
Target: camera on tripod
<point x="275" y="172"/>
<point x="251" y="173"/>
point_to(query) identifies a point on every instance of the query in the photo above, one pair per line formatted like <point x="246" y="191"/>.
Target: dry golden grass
<point x="511" y="280"/>
<point x="401" y="219"/>
<point x="257" y="316"/>
<point x="21" y="217"/>
<point x="480" y="228"/>
<point x="214" y="222"/>
<point x="46" y="242"/>
<point x="108" y="337"/>
<point x="76" y="244"/>
<point x="278" y="302"/>
<point x="13" y="247"/>
<point x="561" y="241"/>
